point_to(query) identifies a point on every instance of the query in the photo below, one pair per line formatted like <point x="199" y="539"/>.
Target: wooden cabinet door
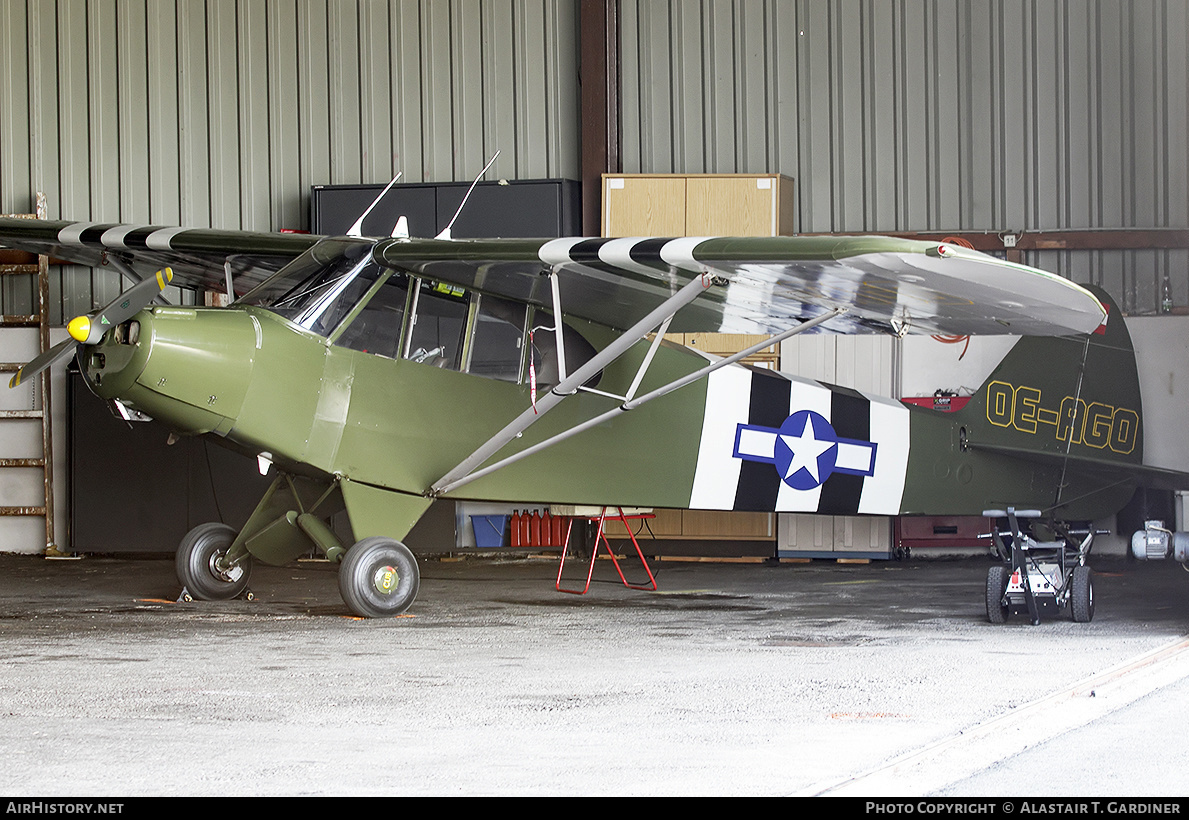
<point x="643" y="206"/>
<point x="731" y="206"/>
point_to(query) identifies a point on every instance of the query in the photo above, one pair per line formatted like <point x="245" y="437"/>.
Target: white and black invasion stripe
<point x="745" y="410"/>
<point x="110" y="236"/>
<point x="646" y="255"/>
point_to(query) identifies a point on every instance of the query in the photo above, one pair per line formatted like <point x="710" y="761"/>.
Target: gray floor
<point x="732" y="679"/>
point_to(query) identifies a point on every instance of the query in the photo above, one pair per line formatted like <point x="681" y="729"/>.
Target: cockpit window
<point x="333" y="298"/>
<point x="336" y="289"/>
<point x="308" y="279"/>
<point x="439" y="325"/>
<point x="497" y="345"/>
<point x="378" y="323"/>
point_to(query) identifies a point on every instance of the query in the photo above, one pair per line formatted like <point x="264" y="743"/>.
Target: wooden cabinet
<point x="726" y="344"/>
<point x="703" y="205"/>
<point x="697" y="205"/>
<point x="702" y="525"/>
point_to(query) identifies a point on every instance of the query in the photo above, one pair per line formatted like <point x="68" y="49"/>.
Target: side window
<point x="439" y="323"/>
<point x="435" y="317"/>
<point x="578" y="351"/>
<point x="377" y="327"/>
<point x="496" y="348"/>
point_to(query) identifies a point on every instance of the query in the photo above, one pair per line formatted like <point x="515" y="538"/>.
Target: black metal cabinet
<point x="523" y="208"/>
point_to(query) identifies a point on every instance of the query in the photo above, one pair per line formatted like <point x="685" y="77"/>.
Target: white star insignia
<point x="806" y="449"/>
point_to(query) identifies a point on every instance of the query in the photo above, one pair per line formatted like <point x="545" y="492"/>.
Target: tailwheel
<point x="1081" y="595"/>
<point x="997" y="578"/>
<point x="201" y="564"/>
<point x="379" y="578"/>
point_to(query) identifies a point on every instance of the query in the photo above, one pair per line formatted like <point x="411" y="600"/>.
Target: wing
<point x="198" y="256"/>
<point x="767" y="283"/>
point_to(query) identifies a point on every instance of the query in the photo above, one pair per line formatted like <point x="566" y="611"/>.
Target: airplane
<point x="379" y="374"/>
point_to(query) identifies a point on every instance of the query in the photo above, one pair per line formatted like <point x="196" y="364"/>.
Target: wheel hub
<point x="220" y="570"/>
<point x="385" y="579"/>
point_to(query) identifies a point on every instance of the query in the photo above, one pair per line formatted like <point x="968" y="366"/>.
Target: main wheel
<point x="1081" y="596"/>
<point x="997" y="578"/>
<point x="379" y="578"/>
<point x="198" y="567"/>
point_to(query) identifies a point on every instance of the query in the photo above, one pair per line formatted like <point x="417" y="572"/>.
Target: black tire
<point x="196" y="568"/>
<point x="1081" y="596"/>
<point x="997" y="578"/>
<point x="379" y="578"/>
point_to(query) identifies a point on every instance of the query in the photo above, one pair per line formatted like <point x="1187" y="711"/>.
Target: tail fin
<point x="1073" y="397"/>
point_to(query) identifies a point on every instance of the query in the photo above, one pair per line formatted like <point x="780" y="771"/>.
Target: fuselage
<point x="265" y="386"/>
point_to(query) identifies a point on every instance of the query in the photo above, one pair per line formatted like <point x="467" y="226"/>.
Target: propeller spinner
<point x="89" y="328"/>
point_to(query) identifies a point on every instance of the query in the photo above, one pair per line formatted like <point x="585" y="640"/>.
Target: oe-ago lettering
<point x="1093" y="424"/>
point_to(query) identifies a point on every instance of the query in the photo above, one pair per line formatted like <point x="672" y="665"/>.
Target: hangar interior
<point x="1054" y="134"/>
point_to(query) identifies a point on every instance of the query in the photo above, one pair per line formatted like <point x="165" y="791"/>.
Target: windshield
<point x="317" y="289"/>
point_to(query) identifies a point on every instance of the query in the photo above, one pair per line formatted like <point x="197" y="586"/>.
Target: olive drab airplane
<point x="380" y="374"/>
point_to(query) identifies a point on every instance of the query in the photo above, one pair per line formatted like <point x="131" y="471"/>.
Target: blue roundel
<point x="806" y="450"/>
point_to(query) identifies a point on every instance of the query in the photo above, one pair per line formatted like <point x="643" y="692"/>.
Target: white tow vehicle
<point x="1037" y="576"/>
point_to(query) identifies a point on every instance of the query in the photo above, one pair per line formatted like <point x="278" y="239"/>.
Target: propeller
<point x="89" y="328"/>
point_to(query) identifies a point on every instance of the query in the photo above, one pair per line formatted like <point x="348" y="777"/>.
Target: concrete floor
<point x="733" y="679"/>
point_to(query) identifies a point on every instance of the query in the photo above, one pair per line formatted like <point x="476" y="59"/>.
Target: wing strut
<point x="124" y="270"/>
<point x="558" y="336"/>
<point x="451" y="482"/>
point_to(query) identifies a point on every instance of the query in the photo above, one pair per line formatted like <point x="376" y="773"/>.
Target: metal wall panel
<point x="907" y="115"/>
<point x="224" y="113"/>
<point x="930" y="115"/>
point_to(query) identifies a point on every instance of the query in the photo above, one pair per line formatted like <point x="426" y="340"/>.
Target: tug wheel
<point x="997" y="578"/>
<point x="1082" y="595"/>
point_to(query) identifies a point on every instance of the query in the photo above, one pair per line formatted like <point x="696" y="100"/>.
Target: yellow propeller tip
<point x="79" y="328"/>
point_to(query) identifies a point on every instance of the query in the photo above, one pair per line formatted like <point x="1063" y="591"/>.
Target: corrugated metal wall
<point x="223" y="113"/>
<point x="930" y="115"/>
<point x="890" y="114"/>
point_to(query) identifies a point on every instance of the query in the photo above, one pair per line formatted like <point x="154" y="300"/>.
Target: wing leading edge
<point x="198" y="256"/>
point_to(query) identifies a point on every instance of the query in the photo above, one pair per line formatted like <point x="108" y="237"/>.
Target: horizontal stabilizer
<point x="1157" y="478"/>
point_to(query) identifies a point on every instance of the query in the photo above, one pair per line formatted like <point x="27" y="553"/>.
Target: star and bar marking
<point x="805" y="450"/>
